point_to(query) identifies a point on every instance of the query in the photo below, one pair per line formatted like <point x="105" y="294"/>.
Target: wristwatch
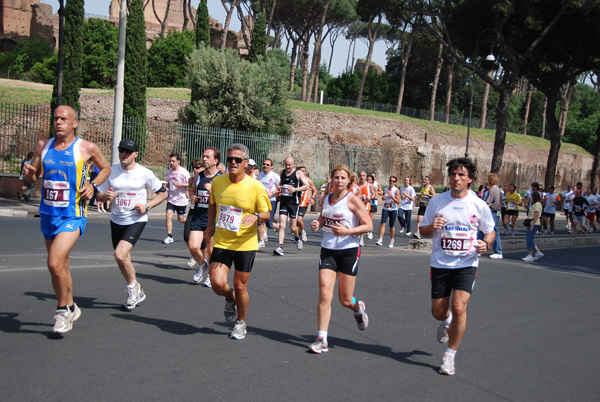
<point x="94" y="185"/>
<point x="147" y="207"/>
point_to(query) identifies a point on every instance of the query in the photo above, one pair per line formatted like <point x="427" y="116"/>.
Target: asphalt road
<point x="531" y="336"/>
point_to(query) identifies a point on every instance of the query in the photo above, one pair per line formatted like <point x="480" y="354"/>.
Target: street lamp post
<point x="489" y="58"/>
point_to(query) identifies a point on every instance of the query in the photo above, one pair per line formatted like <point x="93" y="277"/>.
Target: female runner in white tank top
<point x="343" y="219"/>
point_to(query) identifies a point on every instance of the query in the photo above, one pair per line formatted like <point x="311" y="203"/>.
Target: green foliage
<point x="45" y="70"/>
<point x="584" y="117"/>
<point x="136" y="76"/>
<point x="259" y="39"/>
<point x="100" y="45"/>
<point x="202" y="25"/>
<point x="72" y="53"/>
<point x="347" y="84"/>
<point x="136" y="69"/>
<point x="25" y="55"/>
<point x="167" y="59"/>
<point x="234" y="93"/>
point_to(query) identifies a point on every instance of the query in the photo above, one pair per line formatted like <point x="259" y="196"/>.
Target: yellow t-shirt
<point x="234" y="201"/>
<point x="535" y="207"/>
<point x="512" y="200"/>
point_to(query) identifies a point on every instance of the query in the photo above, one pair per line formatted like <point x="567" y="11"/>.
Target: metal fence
<point x="22" y="126"/>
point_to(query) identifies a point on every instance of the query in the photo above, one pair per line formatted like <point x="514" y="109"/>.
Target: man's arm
<point x="87" y="191"/>
<point x="303" y="179"/>
<point x="31" y="170"/>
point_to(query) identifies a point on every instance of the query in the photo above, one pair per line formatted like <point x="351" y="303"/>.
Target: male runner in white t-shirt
<point x="453" y="219"/>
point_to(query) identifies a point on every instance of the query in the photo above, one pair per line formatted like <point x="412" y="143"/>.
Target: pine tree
<point x="136" y="73"/>
<point x="72" y="52"/>
<point x="259" y="39"/>
<point x="202" y="25"/>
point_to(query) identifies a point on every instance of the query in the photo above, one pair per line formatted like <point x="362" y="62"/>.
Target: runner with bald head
<point x="63" y="164"/>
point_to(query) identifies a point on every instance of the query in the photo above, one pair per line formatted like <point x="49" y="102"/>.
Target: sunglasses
<point x="236" y="159"/>
<point x="197" y="167"/>
<point x="125" y="151"/>
<point x="392" y="181"/>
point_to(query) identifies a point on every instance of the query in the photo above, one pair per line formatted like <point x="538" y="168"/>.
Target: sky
<point x="216" y="11"/>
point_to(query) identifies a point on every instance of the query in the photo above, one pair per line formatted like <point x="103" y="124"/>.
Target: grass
<point x="22" y="92"/>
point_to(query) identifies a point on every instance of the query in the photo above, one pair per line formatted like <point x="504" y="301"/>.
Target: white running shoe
<point x="278" y="251"/>
<point x="198" y="274"/>
<point x="402" y="230"/>
<point x="207" y="283"/>
<point x="299" y="244"/>
<point x="191" y="262"/>
<point x="261" y="244"/>
<point x="319" y="346"/>
<point x="370" y="235"/>
<point x="361" y="240"/>
<point x="239" y="330"/>
<point x="379" y="242"/>
<point x="168" y="240"/>
<point x="447" y="366"/>
<point x="496" y="256"/>
<point x="409" y="233"/>
<point x="442" y="332"/>
<point x="303" y="236"/>
<point x="64" y="318"/>
<point x="362" y="319"/>
<point x="391" y="244"/>
<point x="135" y="296"/>
<point x="528" y="258"/>
<point x="416" y="235"/>
<point x="538" y="255"/>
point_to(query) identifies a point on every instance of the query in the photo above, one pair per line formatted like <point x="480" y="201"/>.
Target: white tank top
<point x="338" y="212"/>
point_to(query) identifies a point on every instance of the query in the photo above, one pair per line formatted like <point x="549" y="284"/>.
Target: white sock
<point x="450" y="352"/>
<point x="323" y="334"/>
<point x="133" y="285"/>
<point x="448" y="320"/>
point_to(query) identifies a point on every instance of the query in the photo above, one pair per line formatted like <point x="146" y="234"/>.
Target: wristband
<point x="94" y="185"/>
<point x="487" y="244"/>
<point x="147" y="207"/>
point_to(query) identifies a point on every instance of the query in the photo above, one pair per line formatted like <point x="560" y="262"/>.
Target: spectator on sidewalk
<point x="26" y="187"/>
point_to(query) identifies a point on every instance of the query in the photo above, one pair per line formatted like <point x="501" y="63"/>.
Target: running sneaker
<point x="391" y="244"/>
<point x="278" y="250"/>
<point x="168" y="240"/>
<point x="198" y="274"/>
<point x="442" y="332"/>
<point x="379" y="242"/>
<point x="135" y="296"/>
<point x="370" y="235"/>
<point x="361" y="240"/>
<point x="239" y="330"/>
<point x="261" y="244"/>
<point x="299" y="244"/>
<point x="416" y="235"/>
<point x="538" y="255"/>
<point x="303" y="236"/>
<point x="528" y="258"/>
<point x="362" y="319"/>
<point x="64" y="318"/>
<point x="402" y="230"/>
<point x="496" y="256"/>
<point x="408" y="233"/>
<point x="447" y="366"/>
<point x="230" y="310"/>
<point x="207" y="283"/>
<point x="191" y="262"/>
<point x="319" y="346"/>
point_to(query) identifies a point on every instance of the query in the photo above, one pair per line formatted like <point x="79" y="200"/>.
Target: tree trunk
<point x="450" y="76"/>
<point x="163" y="22"/>
<point x="405" y="56"/>
<point x="305" y="57"/>
<point x="269" y="25"/>
<point x="349" y="52"/>
<point x="186" y="19"/>
<point x="372" y="38"/>
<point x="544" y="117"/>
<point x="554" y="136"/>
<point x="436" y="80"/>
<point x="229" y="13"/>
<point x="596" y="165"/>
<point x="484" y="102"/>
<point x="565" y="100"/>
<point x="316" y="60"/>
<point x="192" y="17"/>
<point x="527" y="107"/>
<point x="293" y="61"/>
<point x="245" y="27"/>
<point x="353" y="56"/>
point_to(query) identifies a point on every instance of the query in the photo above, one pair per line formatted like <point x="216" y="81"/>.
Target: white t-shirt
<point x="592" y="199"/>
<point x="270" y="181"/>
<point x="388" y="203"/>
<point x="406" y="203"/>
<point x="177" y="195"/>
<point x="567" y="197"/>
<point x="550" y="207"/>
<point x="130" y="187"/>
<point x="454" y="246"/>
<point x="376" y="187"/>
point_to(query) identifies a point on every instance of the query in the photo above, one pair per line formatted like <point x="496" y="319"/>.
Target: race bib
<point x="56" y="193"/>
<point x="457" y="242"/>
<point x="203" y="198"/>
<point x="388" y="205"/>
<point x="125" y="200"/>
<point x="287" y="190"/>
<point x="332" y="220"/>
<point x="511" y="205"/>
<point x="230" y="218"/>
